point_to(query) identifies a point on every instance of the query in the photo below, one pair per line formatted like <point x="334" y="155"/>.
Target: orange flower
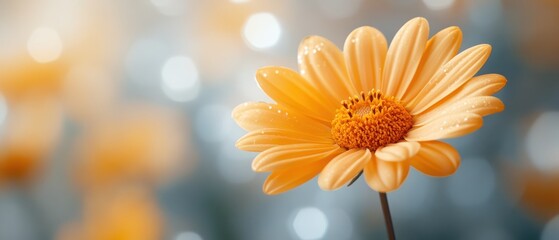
<point x="128" y="214"/>
<point x="30" y="133"/>
<point x="369" y="108"/>
<point x="140" y="143"/>
<point x="22" y="76"/>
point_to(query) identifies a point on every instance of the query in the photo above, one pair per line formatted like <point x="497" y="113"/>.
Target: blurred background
<point x="115" y="122"/>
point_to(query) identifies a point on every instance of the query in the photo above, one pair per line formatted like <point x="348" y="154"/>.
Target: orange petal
<point x="442" y="47"/>
<point x="403" y="57"/>
<point x="291" y="90"/>
<point x="322" y="63"/>
<point x="257" y="115"/>
<point x="481" y="105"/>
<point x="385" y="176"/>
<point x="343" y="168"/>
<point x="283" y="180"/>
<point x="397" y="151"/>
<point x="448" y="126"/>
<point x="287" y="155"/>
<point x="437" y="159"/>
<point x="365" y="51"/>
<point x="260" y="140"/>
<point x="451" y="76"/>
<point x="484" y="85"/>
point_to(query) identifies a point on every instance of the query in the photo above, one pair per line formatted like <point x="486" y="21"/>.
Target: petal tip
<point x="256" y="166"/>
<point x="268" y="190"/>
<point x="312" y="40"/>
<point x="419" y="20"/>
<point x="485" y="48"/>
<point x="325" y="184"/>
<point x="235" y="113"/>
<point x="500" y="106"/>
<point x="455" y="31"/>
<point x="419" y="23"/>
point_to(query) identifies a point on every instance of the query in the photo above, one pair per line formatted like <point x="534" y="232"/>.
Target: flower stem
<point x="387" y="216"/>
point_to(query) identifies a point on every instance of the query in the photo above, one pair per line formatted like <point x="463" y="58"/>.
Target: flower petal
<point x="261" y="140"/>
<point x="283" y="180"/>
<point x="287" y="155"/>
<point x="481" y="105"/>
<point x="447" y="126"/>
<point x="397" y="151"/>
<point x="365" y="52"/>
<point x="258" y="115"/>
<point x="484" y="85"/>
<point x="437" y="159"/>
<point x="291" y="90"/>
<point x="451" y="76"/>
<point x="442" y="47"/>
<point x="322" y="63"/>
<point x="403" y="57"/>
<point x="343" y="168"/>
<point x="385" y="176"/>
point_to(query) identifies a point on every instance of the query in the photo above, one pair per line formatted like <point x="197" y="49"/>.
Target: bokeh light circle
<point x="262" y="30"/>
<point x="180" y="79"/>
<point x="44" y="45"/>
<point x="310" y="223"/>
<point x="541" y="142"/>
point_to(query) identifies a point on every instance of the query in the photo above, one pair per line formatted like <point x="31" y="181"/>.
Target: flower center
<point x="370" y="121"/>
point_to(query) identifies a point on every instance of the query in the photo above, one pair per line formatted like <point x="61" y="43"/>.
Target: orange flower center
<point x="370" y="121"/>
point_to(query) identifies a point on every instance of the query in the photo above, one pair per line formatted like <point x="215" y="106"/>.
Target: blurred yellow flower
<point x="540" y="191"/>
<point x="369" y="108"/>
<point x="140" y="143"/>
<point x="128" y="214"/>
<point x="30" y="133"/>
<point x="22" y="76"/>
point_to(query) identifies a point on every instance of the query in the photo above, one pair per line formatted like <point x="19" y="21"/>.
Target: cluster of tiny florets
<point x="370" y="121"/>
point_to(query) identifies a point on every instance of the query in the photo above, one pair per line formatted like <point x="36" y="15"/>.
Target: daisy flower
<point x="369" y="108"/>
